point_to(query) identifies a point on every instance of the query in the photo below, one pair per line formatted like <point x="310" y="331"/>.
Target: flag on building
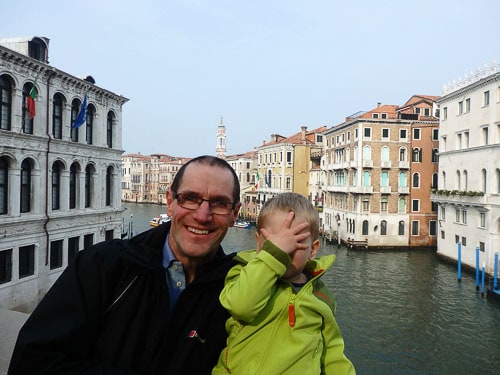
<point x="30" y="102"/>
<point x="82" y="115"/>
<point x="257" y="178"/>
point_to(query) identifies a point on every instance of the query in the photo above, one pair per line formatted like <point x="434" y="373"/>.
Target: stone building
<point x="468" y="191"/>
<point x="59" y="185"/>
<point x="377" y="169"/>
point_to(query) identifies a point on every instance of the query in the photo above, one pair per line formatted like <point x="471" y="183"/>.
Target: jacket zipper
<point x="291" y="311"/>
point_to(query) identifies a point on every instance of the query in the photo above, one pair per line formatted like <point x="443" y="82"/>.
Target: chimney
<point x="379" y="104"/>
<point x="303" y="134"/>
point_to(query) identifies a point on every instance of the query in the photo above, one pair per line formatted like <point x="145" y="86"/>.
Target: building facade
<point x="59" y="185"/>
<point x="374" y="188"/>
<point x="468" y="192"/>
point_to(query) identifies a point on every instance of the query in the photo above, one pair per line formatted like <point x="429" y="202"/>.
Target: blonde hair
<point x="291" y="202"/>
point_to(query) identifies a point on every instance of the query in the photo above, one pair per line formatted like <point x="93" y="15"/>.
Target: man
<point x="148" y="305"/>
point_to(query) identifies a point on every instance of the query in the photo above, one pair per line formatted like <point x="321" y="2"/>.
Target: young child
<point x="282" y="315"/>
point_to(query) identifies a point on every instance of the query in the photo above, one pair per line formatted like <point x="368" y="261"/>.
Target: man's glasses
<point x="218" y="206"/>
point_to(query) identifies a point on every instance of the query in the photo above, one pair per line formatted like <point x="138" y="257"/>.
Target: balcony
<point x="403" y="189"/>
<point x="462" y="198"/>
<point x="385" y="190"/>
<point x="361" y="189"/>
<point x="404" y="165"/>
<point x="367" y="163"/>
<point x="385" y="164"/>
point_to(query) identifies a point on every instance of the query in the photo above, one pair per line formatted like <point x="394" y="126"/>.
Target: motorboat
<point x="242" y="224"/>
<point x="159" y="220"/>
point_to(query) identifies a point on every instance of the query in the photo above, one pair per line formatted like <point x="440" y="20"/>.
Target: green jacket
<point x="275" y="330"/>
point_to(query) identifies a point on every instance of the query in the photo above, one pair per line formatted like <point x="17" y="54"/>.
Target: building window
<point x="109" y="235"/>
<point x="457" y="216"/>
<point x="401" y="228"/>
<point x="415" y="227"/>
<point x="486" y="98"/>
<point x="457" y="239"/>
<point x="432" y="228"/>
<point x="416" y="155"/>
<point x="288" y="183"/>
<point x="415" y="205"/>
<point x="109" y="129"/>
<point x="26" y="261"/>
<point x="402" y="205"/>
<point x="427" y="111"/>
<point x="88" y="185"/>
<point x="445" y="113"/>
<point x="27" y="117"/>
<point x="434" y="180"/>
<point x="402" y="134"/>
<point x="5" y="266"/>
<point x="485" y="135"/>
<point x="367" y="132"/>
<point x="464" y="216"/>
<point x="4" y="185"/>
<point x="385" y="133"/>
<point x="443" y="213"/>
<point x="366" y="205"/>
<point x="75" y="108"/>
<point x="73" y="247"/>
<point x="73" y="180"/>
<point x="467" y="105"/>
<point x="374" y="115"/>
<point x="482" y="246"/>
<point x="56" y="254"/>
<point x="482" y="220"/>
<point x="383" y="205"/>
<point x="57" y="110"/>
<point x="383" y="228"/>
<point x="364" y="229"/>
<point x="56" y="186"/>
<point x="5" y="103"/>
<point x="383" y="116"/>
<point x="89" y="125"/>
<point x="109" y="185"/>
<point x="460" y="107"/>
<point x="464" y="241"/>
<point x="416" y="180"/>
<point x="288" y="156"/>
<point x="402" y="154"/>
<point x="416" y="133"/>
<point x="443" y="236"/>
<point x="88" y="240"/>
<point x="435" y="134"/>
<point x="25" y="198"/>
<point x="435" y="153"/>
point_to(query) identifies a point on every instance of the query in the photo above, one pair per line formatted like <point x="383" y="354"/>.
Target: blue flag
<point x="82" y="115"/>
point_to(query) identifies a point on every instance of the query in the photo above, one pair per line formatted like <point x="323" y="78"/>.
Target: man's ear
<point x="170" y="201"/>
<point x="314" y="249"/>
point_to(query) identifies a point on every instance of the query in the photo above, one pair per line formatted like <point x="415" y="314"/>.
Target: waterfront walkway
<point x="10" y="323"/>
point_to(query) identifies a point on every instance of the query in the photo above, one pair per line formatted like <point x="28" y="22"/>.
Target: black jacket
<point x="108" y="313"/>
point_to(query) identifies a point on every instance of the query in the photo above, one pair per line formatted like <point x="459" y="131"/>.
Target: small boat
<point x="159" y="220"/>
<point x="242" y="224"/>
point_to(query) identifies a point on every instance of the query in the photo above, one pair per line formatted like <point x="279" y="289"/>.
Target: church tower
<point x="221" y="140"/>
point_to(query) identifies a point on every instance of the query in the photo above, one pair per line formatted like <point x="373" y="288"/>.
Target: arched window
<point x="402" y="205"/>
<point x="89" y="170"/>
<point x="401" y="228"/>
<point x="402" y="154"/>
<point x="56" y="185"/>
<point x="384" y="154"/>
<point x="367" y="153"/>
<point x="109" y="129"/>
<point x="483" y="181"/>
<point x="416" y="180"/>
<point x="90" y="124"/>
<point x="383" y="228"/>
<point x="73" y="183"/>
<point x="434" y="180"/>
<point x="402" y="179"/>
<point x="5" y="103"/>
<point x="28" y="110"/>
<point x="444" y="180"/>
<point x="435" y="157"/>
<point x="364" y="230"/>
<point x="384" y="179"/>
<point x="416" y="155"/>
<point x="466" y="181"/>
<point x="458" y="183"/>
<point x="366" y="178"/>
<point x="57" y="110"/>
<point x="75" y="108"/>
<point x="4" y="185"/>
<point x="109" y="185"/>
<point x="498" y="180"/>
<point x="25" y="197"/>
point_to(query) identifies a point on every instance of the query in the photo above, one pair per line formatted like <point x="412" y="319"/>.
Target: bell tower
<point x="221" y="140"/>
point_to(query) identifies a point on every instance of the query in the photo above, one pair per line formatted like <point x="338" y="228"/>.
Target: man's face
<point x="195" y="235"/>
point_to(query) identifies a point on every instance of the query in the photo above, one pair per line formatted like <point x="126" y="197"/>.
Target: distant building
<point x="147" y="178"/>
<point x="377" y="172"/>
<point x="245" y="166"/>
<point x="286" y="164"/>
<point x="59" y="185"/>
<point x="468" y="191"/>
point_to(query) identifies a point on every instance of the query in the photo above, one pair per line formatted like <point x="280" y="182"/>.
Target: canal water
<point x="400" y="312"/>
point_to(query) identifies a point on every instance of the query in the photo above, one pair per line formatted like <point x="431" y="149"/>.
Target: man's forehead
<point x="206" y="177"/>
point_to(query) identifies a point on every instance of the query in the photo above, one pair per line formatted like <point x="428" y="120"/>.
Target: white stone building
<point x="59" y="185"/>
<point x="468" y="191"/>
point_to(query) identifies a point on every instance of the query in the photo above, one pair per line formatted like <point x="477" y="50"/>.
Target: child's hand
<point x="288" y="238"/>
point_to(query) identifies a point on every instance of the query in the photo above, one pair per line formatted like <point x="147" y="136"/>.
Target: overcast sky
<point x="264" y="66"/>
